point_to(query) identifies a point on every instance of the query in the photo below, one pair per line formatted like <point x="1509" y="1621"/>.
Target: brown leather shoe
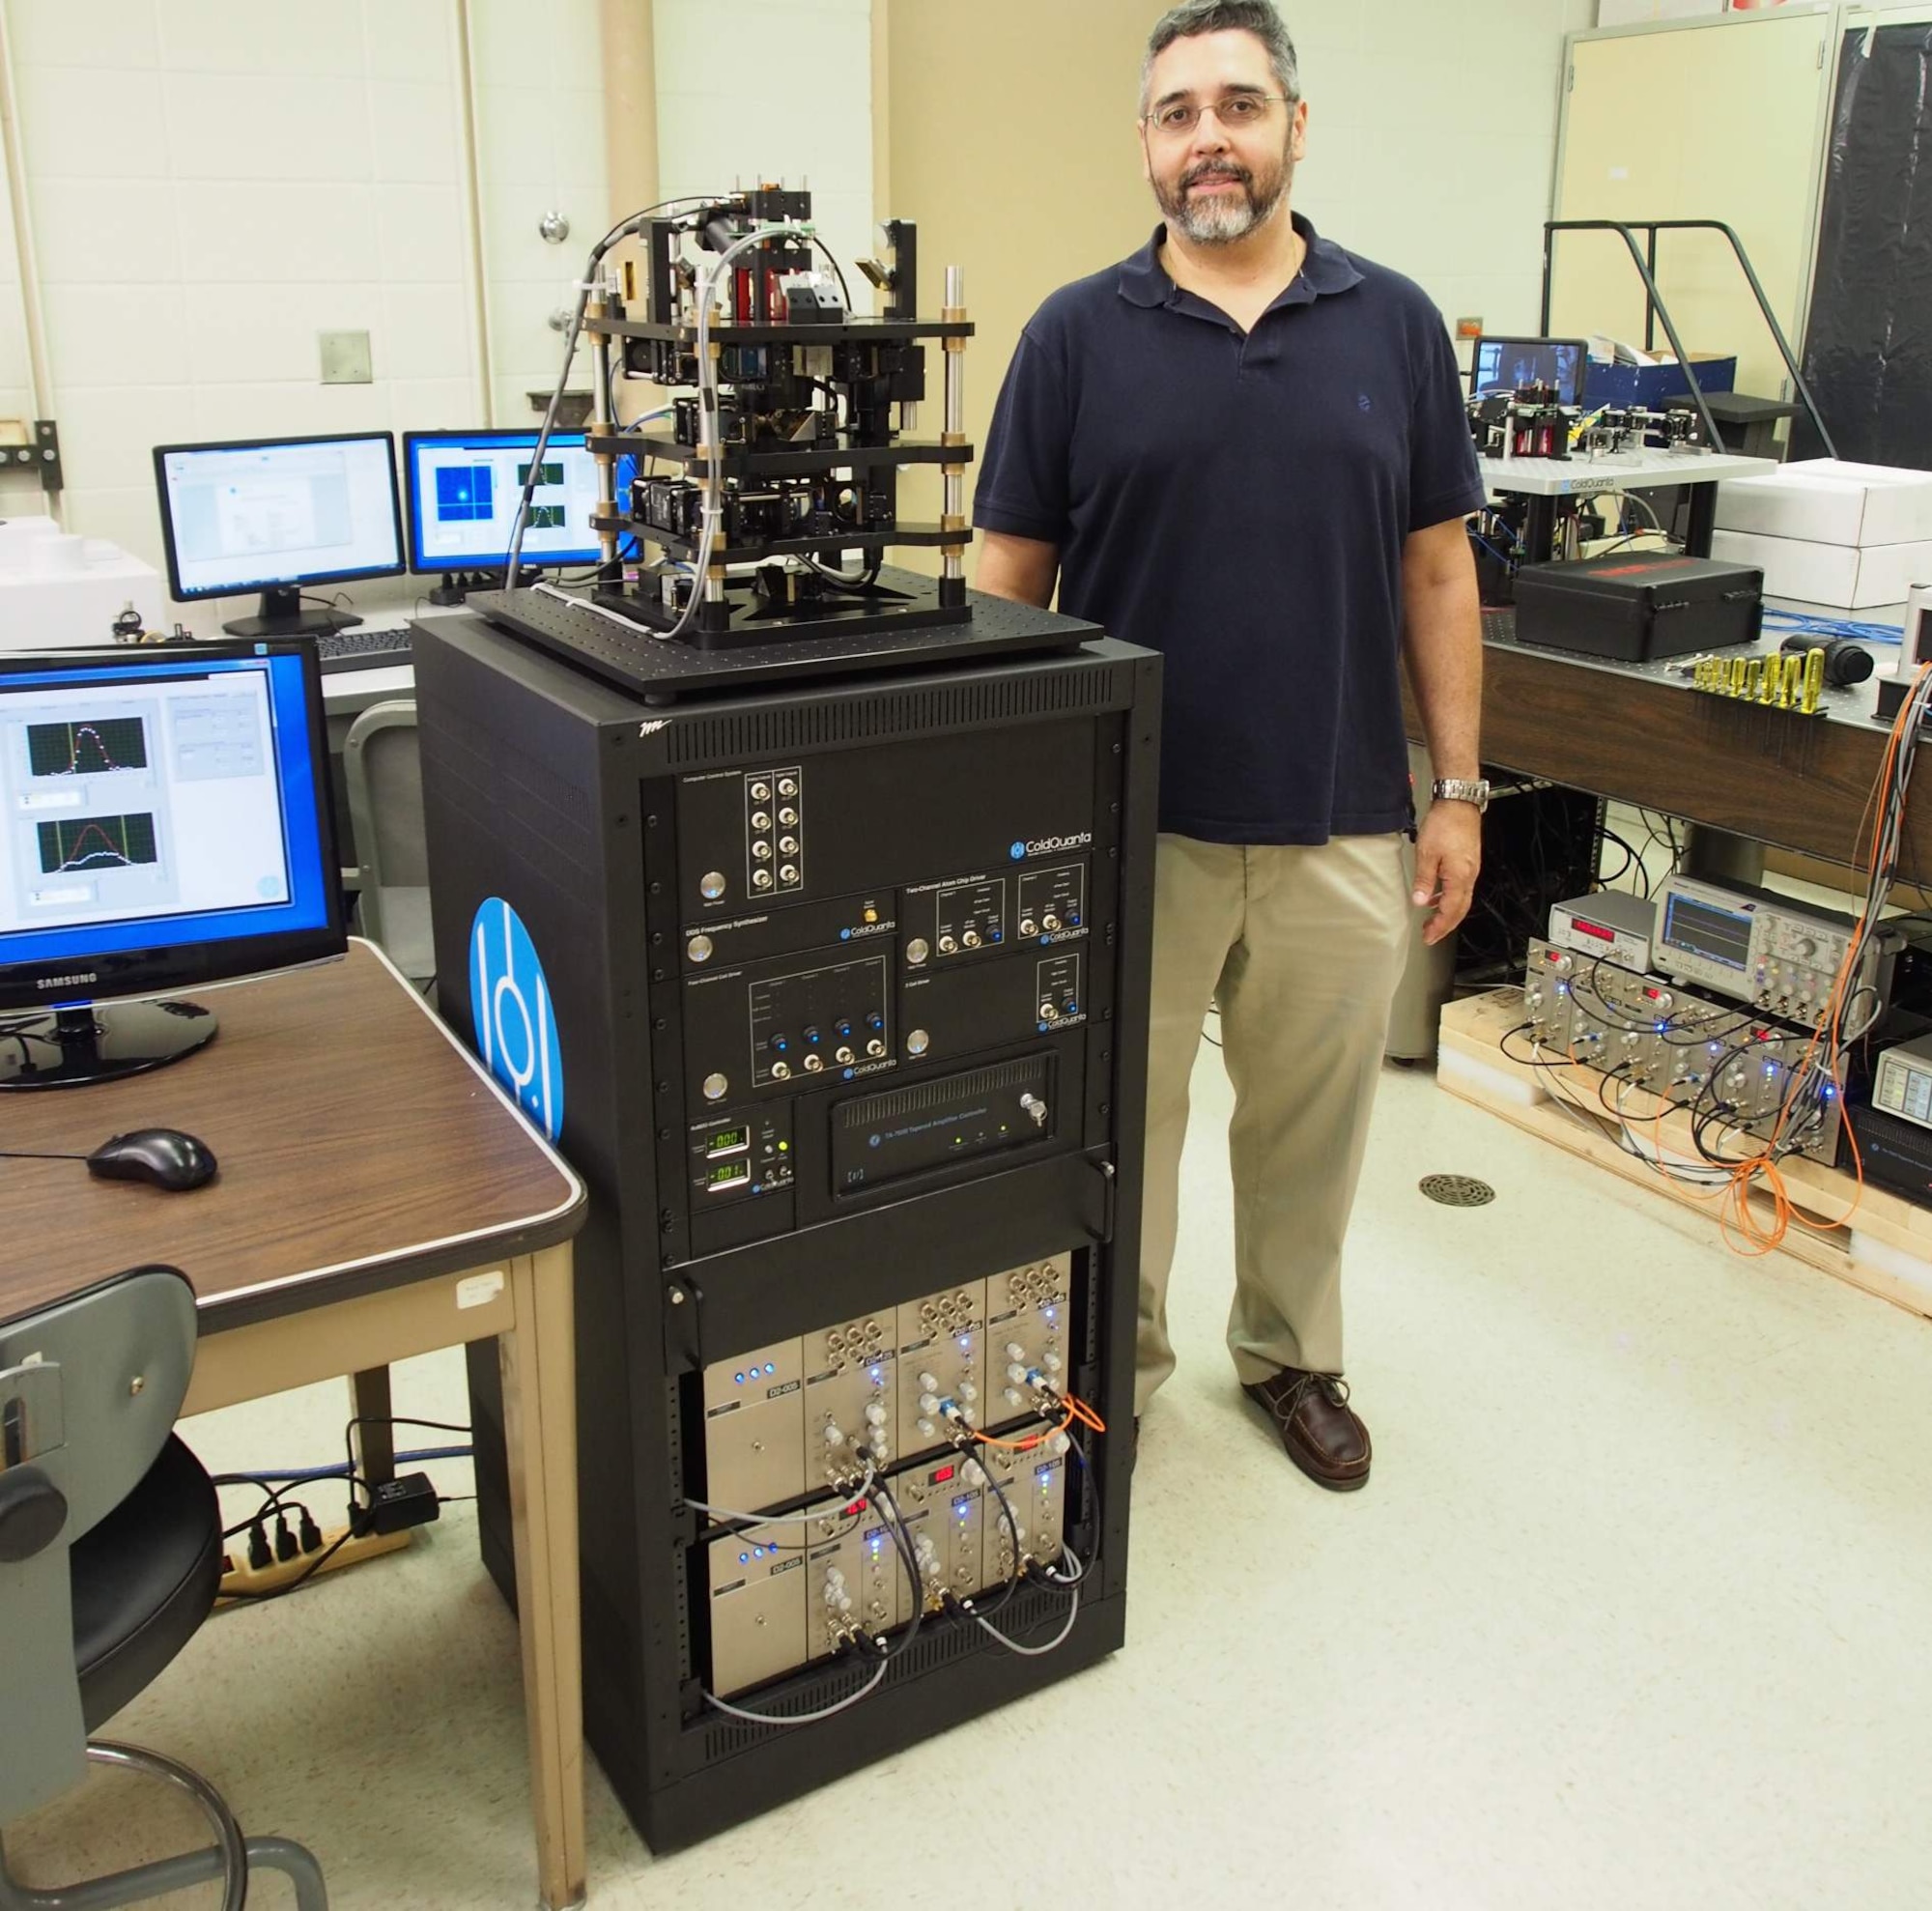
<point x="1324" y="1434"/>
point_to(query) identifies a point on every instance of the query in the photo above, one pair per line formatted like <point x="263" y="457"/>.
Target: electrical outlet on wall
<point x="345" y="359"/>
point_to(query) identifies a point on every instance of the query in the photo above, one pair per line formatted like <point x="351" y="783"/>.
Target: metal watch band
<point x="1461" y="789"/>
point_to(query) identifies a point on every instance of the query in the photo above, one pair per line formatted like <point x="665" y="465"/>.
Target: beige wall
<point x="1011" y="144"/>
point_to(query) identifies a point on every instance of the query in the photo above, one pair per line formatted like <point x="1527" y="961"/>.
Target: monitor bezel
<point x="260" y="586"/>
<point x="1582" y="346"/>
<point x="170" y="969"/>
<point x="420" y="566"/>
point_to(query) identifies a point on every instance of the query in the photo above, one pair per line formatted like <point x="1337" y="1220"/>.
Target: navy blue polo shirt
<point x="1239" y="501"/>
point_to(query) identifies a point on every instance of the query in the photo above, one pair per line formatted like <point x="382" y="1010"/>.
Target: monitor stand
<point x="456" y="586"/>
<point x="71" y="1047"/>
<point x="282" y="615"/>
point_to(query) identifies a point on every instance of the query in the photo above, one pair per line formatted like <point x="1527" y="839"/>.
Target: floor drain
<point x="1458" y="1190"/>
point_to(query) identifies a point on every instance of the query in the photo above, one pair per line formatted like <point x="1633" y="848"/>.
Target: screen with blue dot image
<point x="465" y="494"/>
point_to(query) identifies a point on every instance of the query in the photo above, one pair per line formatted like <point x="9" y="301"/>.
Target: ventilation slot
<point x="928" y="1095"/>
<point x="903" y="713"/>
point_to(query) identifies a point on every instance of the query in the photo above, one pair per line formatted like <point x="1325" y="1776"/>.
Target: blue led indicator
<point x="744" y="1558"/>
<point x="770" y="1368"/>
<point x="739" y="1377"/>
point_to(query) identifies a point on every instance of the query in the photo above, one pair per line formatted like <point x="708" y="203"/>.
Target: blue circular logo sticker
<point x="510" y="1011"/>
<point x="1017" y="853"/>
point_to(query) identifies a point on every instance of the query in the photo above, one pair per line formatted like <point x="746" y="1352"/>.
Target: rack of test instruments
<point x="808" y="906"/>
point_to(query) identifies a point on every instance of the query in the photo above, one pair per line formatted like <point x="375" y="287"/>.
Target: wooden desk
<point x="379" y="1197"/>
<point x="1641" y="735"/>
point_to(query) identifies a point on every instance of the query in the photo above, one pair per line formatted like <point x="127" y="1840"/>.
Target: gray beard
<point x="1223" y="220"/>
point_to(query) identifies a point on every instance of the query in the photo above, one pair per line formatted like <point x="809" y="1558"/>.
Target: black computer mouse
<point x="162" y="1157"/>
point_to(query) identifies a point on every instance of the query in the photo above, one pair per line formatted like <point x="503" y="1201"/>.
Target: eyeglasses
<point x="1238" y="110"/>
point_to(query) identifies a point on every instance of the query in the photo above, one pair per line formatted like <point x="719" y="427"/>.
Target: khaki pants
<point x="1304" y="947"/>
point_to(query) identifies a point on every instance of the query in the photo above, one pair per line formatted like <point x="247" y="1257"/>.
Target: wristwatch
<point x="1461" y="789"/>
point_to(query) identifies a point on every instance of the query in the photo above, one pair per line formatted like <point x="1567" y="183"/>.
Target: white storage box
<point x="1839" y="575"/>
<point x="1827" y="502"/>
<point x="59" y="592"/>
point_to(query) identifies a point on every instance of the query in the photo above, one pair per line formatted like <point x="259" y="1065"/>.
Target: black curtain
<point x="1869" y="346"/>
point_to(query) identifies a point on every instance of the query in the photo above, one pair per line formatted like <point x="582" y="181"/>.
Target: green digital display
<point x="724" y="1172"/>
<point x="729" y="1141"/>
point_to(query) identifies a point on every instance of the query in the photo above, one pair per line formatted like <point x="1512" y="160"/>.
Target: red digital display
<point x="944" y="1475"/>
<point x="1592" y="928"/>
<point x="1652" y="995"/>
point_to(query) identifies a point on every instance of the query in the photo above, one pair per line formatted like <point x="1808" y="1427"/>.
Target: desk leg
<point x="540" y="1426"/>
<point x="375" y="1438"/>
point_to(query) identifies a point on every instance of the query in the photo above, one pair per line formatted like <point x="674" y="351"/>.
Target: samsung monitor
<point x="1499" y="365"/>
<point x="463" y="488"/>
<point x="167" y="824"/>
<point x="279" y="516"/>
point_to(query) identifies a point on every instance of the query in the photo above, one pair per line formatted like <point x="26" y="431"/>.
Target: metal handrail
<point x="1645" y="261"/>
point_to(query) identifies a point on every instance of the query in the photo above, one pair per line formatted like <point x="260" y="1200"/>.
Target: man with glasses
<point x="1246" y="448"/>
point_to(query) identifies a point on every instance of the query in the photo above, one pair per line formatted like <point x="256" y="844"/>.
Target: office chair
<point x="384" y="777"/>
<point x="110" y="1558"/>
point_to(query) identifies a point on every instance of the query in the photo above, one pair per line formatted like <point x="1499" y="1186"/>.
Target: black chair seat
<point x="144" y="1580"/>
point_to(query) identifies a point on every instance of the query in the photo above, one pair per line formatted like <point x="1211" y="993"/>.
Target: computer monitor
<point x="168" y="823"/>
<point x="1499" y="365"/>
<point x="279" y="515"/>
<point x="463" y="488"/>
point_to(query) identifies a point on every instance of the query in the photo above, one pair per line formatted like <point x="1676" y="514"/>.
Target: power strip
<point x="241" y="1580"/>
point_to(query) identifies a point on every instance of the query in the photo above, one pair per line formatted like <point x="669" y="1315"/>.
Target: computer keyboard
<point x="365" y="648"/>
